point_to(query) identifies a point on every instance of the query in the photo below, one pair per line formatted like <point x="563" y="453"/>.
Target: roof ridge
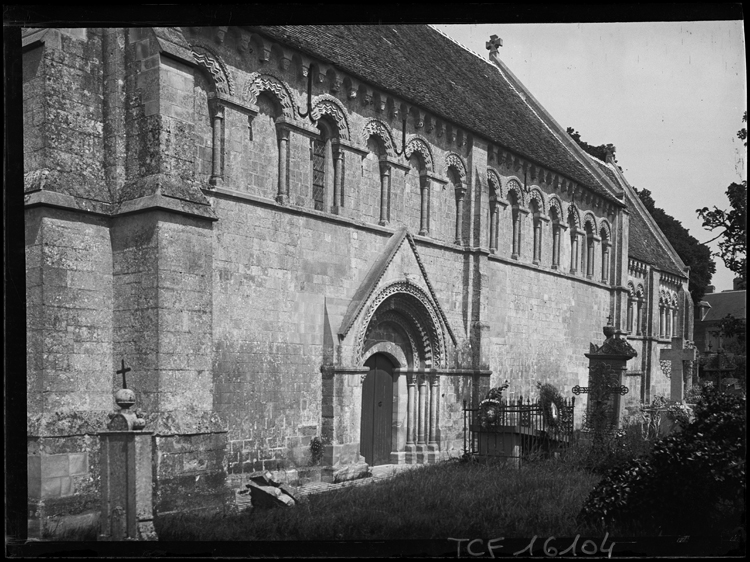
<point x="464" y="47"/>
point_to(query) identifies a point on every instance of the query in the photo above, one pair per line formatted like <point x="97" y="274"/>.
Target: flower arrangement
<point x="552" y="404"/>
<point x="316" y="450"/>
<point x="489" y="408"/>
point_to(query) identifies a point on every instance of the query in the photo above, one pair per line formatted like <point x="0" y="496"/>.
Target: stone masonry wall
<point x="541" y="325"/>
<point x="63" y="116"/>
<point x="69" y="334"/>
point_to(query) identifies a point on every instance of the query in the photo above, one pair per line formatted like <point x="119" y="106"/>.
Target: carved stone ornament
<point x="454" y="160"/>
<point x="380" y="130"/>
<point x="329" y="105"/>
<point x="215" y="67"/>
<point x="417" y="144"/>
<point x="435" y="344"/>
<point x="615" y="346"/>
<point x="257" y="83"/>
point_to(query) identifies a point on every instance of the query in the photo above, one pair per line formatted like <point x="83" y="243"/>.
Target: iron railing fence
<point x="518" y="428"/>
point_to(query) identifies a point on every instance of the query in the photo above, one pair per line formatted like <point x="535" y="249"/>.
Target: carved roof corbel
<point x="261" y="47"/>
<point x="219" y="34"/>
<point x="419" y="117"/>
<point x="429" y="124"/>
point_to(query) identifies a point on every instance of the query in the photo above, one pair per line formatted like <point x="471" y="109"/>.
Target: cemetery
<point x="291" y="282"/>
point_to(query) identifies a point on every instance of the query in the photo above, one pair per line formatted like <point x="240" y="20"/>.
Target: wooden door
<point x="377" y="411"/>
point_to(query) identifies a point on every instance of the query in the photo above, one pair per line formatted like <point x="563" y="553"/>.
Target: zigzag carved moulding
<point x="215" y="67"/>
<point x="454" y="160"/>
<point x="419" y="145"/>
<point x="377" y="128"/>
<point x="258" y="83"/>
<point x="436" y="343"/>
<point x="327" y="104"/>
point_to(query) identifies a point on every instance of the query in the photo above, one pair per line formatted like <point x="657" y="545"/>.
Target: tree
<point x="599" y="152"/>
<point x="690" y="250"/>
<point x="733" y="224"/>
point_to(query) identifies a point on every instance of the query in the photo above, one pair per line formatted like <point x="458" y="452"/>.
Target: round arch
<point x="404" y="313"/>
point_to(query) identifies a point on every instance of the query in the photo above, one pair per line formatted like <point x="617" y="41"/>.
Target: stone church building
<point x="342" y="232"/>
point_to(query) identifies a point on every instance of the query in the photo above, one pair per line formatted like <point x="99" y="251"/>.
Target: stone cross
<point x="493" y="44"/>
<point x="122" y="372"/>
<point x="678" y="353"/>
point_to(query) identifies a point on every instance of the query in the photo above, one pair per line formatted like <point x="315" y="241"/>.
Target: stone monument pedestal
<point x="127" y="496"/>
<point x="126" y="472"/>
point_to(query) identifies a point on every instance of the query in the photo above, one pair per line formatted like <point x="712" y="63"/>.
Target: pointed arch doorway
<point x="377" y="410"/>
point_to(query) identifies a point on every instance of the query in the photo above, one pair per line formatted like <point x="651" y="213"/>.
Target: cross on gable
<point x="122" y="372"/>
<point x="493" y="44"/>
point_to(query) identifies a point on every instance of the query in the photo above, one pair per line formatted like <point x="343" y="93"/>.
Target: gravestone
<point x="126" y="464"/>
<point x="607" y="366"/>
<point x="680" y="376"/>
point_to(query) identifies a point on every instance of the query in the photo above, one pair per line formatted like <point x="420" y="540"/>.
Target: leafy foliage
<point x="690" y="250"/>
<point x="552" y="403"/>
<point x="733" y="236"/>
<point x="316" y="450"/>
<point x="692" y="482"/>
<point x="599" y="152"/>
<point x="733" y="224"/>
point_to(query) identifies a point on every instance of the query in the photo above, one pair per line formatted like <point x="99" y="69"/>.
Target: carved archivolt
<point x="391" y="316"/>
<point x="493" y="179"/>
<point x="377" y="128"/>
<point x="640" y="292"/>
<point x="454" y="160"/>
<point x="215" y="67"/>
<point x="574" y="216"/>
<point x="554" y="203"/>
<point x="515" y="187"/>
<point x="419" y="145"/>
<point x="329" y="105"/>
<point x="417" y="306"/>
<point x="258" y="83"/>
<point x="631" y="289"/>
<point x="589" y="223"/>
<point x="536" y="195"/>
<point x="605" y="230"/>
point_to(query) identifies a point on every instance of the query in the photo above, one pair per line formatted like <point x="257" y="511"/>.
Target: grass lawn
<point x="450" y="499"/>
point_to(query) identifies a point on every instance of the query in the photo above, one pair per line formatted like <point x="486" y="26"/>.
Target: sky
<point x="669" y="95"/>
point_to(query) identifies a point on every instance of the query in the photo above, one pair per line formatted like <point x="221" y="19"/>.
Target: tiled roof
<point x="421" y="65"/>
<point x="728" y="302"/>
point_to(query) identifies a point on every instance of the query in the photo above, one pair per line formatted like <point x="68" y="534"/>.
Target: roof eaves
<point x="555" y="128"/>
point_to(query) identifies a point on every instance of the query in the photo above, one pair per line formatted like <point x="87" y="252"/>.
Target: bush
<point x="611" y="450"/>
<point x="692" y="482"/>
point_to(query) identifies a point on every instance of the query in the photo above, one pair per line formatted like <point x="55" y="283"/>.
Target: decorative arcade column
<point x="283" y="192"/>
<point x="493" y="224"/>
<point x="573" y="251"/>
<point x="422" y="421"/>
<point x="411" y="413"/>
<point x="385" y="189"/>
<point x="216" y="130"/>
<point x="433" y="444"/>
<point x="460" y="194"/>
<point x="605" y="261"/>
<point x="424" y="186"/>
<point x="338" y="178"/>
<point x="590" y="258"/>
